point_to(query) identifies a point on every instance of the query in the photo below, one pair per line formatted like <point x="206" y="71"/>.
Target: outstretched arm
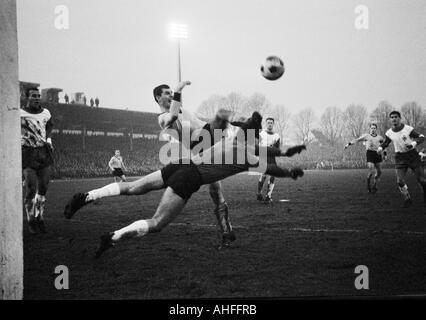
<point x="277" y="152"/>
<point x="362" y="138"/>
<point x="273" y="169"/>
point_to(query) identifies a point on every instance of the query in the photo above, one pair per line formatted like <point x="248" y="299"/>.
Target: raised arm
<point x="167" y="119"/>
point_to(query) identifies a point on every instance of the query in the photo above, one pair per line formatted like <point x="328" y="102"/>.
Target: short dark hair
<point x="395" y="112"/>
<point x="373" y="124"/>
<point x="270" y="118"/>
<point x="28" y="89"/>
<point x="158" y="90"/>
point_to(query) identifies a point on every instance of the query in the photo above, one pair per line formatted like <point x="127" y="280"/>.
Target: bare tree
<point x="355" y="118"/>
<point x="380" y="116"/>
<point x="332" y="125"/>
<point x="256" y="102"/>
<point x="303" y="123"/>
<point x="209" y="107"/>
<point x="281" y="117"/>
<point x="413" y="114"/>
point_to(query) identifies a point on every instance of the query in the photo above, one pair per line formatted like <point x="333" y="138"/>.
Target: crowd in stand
<point x="75" y="158"/>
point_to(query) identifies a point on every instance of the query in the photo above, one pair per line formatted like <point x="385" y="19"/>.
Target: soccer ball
<point x="272" y="68"/>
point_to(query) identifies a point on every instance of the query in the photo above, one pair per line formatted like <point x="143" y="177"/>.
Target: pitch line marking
<point x="298" y="229"/>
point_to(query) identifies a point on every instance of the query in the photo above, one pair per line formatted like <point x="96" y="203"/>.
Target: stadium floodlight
<point x="178" y="31"/>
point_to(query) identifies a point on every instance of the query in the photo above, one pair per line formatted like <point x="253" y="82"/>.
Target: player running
<point x="117" y="166"/>
<point x="182" y="180"/>
<point x="36" y="129"/>
<point x="268" y="138"/>
<point x="173" y="116"/>
<point x="372" y="142"/>
<point x="405" y="140"/>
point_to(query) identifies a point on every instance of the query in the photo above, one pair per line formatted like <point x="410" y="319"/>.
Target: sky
<point x="120" y="50"/>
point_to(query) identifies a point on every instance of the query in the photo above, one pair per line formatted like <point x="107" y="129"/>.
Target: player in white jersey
<point x="405" y="140"/>
<point x="175" y="117"/>
<point x="372" y="142"/>
<point x="37" y="158"/>
<point x="117" y="166"/>
<point x="268" y="138"/>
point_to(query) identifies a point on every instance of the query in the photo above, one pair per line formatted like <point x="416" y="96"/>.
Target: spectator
<point x="67" y="99"/>
<point x="92" y="102"/>
<point x="84" y="100"/>
<point x="97" y="102"/>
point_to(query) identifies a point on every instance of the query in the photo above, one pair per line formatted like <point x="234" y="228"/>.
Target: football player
<point x="37" y="158"/>
<point x="405" y="140"/>
<point x="372" y="142"/>
<point x="182" y="180"/>
<point x="117" y="166"/>
<point x="268" y="138"/>
<point x="173" y="116"/>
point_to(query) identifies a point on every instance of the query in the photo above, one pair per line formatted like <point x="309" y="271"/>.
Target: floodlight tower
<point x="179" y="31"/>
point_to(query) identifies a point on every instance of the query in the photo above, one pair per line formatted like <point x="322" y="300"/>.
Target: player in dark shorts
<point x="405" y="140"/>
<point x="182" y="180"/>
<point x="372" y="142"/>
<point x="116" y="165"/>
<point x="37" y="158"/>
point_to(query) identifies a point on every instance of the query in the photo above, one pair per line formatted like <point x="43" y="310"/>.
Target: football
<point x="273" y="68"/>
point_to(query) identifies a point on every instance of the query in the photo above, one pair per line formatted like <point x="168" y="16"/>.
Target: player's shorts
<point x="117" y="172"/>
<point x="36" y="158"/>
<point x="410" y="159"/>
<point x="184" y="179"/>
<point x="373" y="157"/>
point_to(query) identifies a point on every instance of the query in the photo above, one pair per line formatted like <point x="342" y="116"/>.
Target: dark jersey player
<point x="405" y="140"/>
<point x="36" y="129"/>
<point x="182" y="180"/>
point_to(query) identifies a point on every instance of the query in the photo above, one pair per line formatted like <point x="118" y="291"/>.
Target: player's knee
<point x="400" y="182"/>
<point x="156" y="225"/>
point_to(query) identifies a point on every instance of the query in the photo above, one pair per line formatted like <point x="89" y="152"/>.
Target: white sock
<point x="270" y="189"/>
<point x="404" y="191"/>
<point x="29" y="209"/>
<point x="110" y="190"/>
<point x="39" y="205"/>
<point x="136" y="229"/>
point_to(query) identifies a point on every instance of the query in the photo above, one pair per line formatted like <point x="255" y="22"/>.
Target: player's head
<point x="117" y="152"/>
<point x="163" y="95"/>
<point x="373" y="128"/>
<point x="395" y="118"/>
<point x="32" y="96"/>
<point x="253" y="123"/>
<point x="270" y="123"/>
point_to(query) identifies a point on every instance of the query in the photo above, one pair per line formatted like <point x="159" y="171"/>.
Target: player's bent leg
<point x="123" y="178"/>
<point x="270" y="188"/>
<point x="152" y="181"/>
<point x="403" y="188"/>
<point x="421" y="179"/>
<point x="221" y="213"/>
<point x="30" y="189"/>
<point x="170" y="206"/>
<point x="370" y="173"/>
<point x="260" y="184"/>
<point x="43" y="179"/>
